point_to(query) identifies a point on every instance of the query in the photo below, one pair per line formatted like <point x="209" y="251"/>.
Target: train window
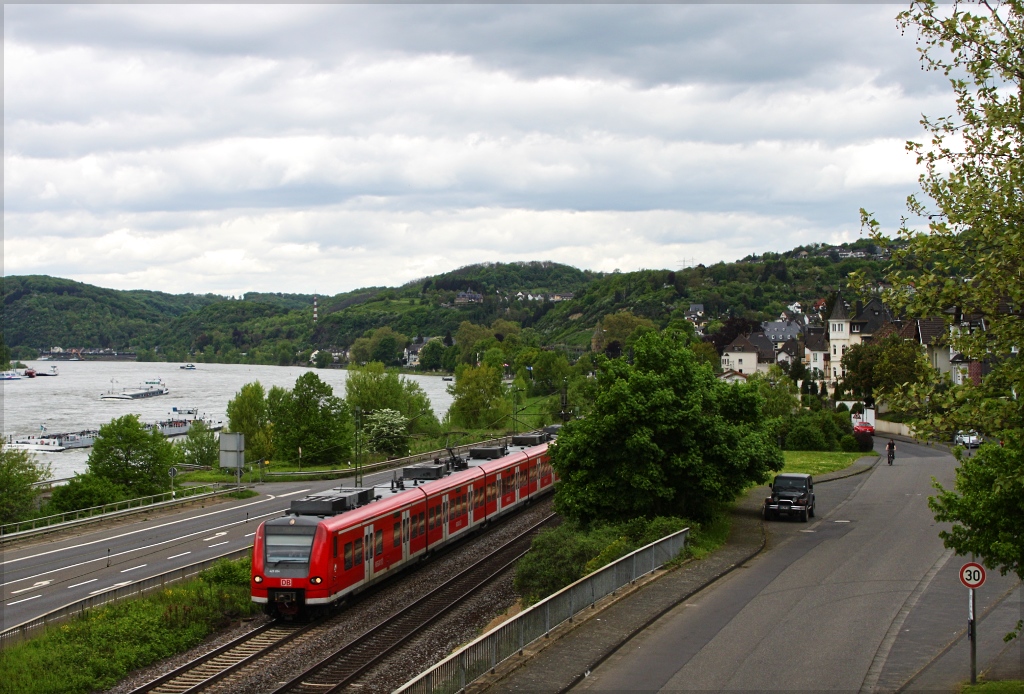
<point x="396" y="533"/>
<point x="415" y="528"/>
<point x="423" y="523"/>
<point x="348" y="556"/>
<point x="430" y="511"/>
<point x="378" y="543"/>
<point x="357" y="551"/>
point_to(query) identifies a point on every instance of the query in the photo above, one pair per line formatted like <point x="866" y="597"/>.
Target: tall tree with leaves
<point x="313" y="418"/>
<point x="18" y="472"/>
<point x="200" y="446"/>
<point x="968" y="265"/>
<point x="249" y="414"/>
<point x="664" y="438"/>
<point x="127" y="454"/>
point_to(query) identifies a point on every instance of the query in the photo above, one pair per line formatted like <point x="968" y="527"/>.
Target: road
<point x="858" y="600"/>
<point x="51" y="573"/>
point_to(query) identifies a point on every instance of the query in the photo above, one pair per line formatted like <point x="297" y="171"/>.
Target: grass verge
<point x="819" y="462"/>
<point x="242" y="494"/>
<point x="96" y="650"/>
<point x="1000" y="687"/>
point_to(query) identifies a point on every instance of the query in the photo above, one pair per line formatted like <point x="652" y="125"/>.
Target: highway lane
<point x="49" y="574"/>
<point x="813" y="611"/>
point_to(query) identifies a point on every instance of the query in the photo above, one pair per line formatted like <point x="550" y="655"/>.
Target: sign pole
<point x="972" y="575"/>
<point x="972" y="636"/>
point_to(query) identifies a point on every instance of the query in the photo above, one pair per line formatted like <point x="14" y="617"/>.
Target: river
<point x="70" y="401"/>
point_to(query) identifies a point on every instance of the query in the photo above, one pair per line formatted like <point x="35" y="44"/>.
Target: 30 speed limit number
<point x="972" y="575"/>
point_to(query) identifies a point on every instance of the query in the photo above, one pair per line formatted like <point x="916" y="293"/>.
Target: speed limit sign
<point x="972" y="575"/>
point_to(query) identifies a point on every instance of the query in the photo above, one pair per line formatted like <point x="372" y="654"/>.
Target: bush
<point x="806" y="437"/>
<point x="841" y="407"/>
<point x="849" y="444"/>
<point x="86" y="491"/>
<point x="865" y="441"/>
<point x="570" y="552"/>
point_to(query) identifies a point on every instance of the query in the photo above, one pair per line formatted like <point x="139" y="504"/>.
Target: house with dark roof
<point x="778" y="331"/>
<point x="740" y="356"/>
<point x="816" y="352"/>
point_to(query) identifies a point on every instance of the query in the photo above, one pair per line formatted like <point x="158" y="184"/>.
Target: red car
<point x="865" y="427"/>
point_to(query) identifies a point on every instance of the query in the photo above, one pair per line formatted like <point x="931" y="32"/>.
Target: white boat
<point x="11" y="375"/>
<point x="35" y="445"/>
<point x="149" y="389"/>
<point x="181" y="420"/>
<point x="52" y="372"/>
<point x="188" y="367"/>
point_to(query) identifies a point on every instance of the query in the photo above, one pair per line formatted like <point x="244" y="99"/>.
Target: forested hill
<point x="41" y="312"/>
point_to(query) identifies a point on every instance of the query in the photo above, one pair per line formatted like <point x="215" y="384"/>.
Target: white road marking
<point x="179" y="555"/>
<point x="134" y="549"/>
<point x="281" y="496"/>
<point x="156" y="527"/>
<point x="218" y="544"/>
<point x="840" y="521"/>
<point x="17" y="602"/>
<point x="250" y="534"/>
<point x="38" y="584"/>
<point x="91" y="580"/>
<point x="133" y="568"/>
<point x="215" y="536"/>
<point x="116" y="585"/>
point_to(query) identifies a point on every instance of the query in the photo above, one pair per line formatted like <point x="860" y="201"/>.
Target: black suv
<point x="792" y="495"/>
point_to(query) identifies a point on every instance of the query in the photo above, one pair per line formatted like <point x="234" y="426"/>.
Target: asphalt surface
<point x="58" y="570"/>
<point x="863" y="598"/>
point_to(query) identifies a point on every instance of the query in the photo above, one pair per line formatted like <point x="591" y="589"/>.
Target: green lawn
<point x="818" y="463"/>
<point x="1003" y="687"/>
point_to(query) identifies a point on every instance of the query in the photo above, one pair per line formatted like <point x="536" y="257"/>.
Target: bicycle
<point x="892" y="455"/>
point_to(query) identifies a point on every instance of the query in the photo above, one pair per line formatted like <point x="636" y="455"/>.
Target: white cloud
<point x="228" y="148"/>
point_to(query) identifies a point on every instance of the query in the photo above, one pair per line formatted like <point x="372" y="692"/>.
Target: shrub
<point x="806" y="437"/>
<point x="841" y="407"/>
<point x="849" y="444"/>
<point x="86" y="491"/>
<point x="865" y="441"/>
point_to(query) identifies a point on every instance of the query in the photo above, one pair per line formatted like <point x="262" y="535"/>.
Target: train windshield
<point x="289" y="545"/>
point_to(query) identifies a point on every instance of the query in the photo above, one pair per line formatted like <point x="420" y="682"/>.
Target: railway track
<point x="221" y="662"/>
<point x="347" y="664"/>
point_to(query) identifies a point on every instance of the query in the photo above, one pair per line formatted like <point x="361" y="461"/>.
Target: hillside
<point x="40" y="312"/>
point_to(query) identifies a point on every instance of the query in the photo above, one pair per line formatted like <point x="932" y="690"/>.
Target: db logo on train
<point x="972" y="575"/>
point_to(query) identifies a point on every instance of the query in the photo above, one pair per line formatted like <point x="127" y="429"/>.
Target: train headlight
<point x="316" y="580"/>
<point x="257" y="579"/>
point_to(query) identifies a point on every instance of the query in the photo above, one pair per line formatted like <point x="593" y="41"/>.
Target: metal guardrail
<point x="27" y="630"/>
<point x="485" y="653"/>
<point x="12" y="531"/>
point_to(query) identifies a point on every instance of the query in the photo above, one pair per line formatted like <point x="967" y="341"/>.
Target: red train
<point x="339" y="542"/>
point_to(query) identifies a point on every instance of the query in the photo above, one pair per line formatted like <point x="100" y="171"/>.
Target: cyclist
<point x="890" y="449"/>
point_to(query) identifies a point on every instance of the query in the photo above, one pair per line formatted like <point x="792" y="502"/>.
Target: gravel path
<point x="350" y="621"/>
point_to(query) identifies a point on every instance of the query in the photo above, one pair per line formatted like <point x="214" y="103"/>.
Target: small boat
<point x="149" y="389"/>
<point x="188" y="367"/>
<point x="11" y="375"/>
<point x="447" y="378"/>
<point x="52" y="372"/>
<point x="30" y="373"/>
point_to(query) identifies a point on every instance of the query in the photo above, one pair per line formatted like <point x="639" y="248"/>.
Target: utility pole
<point x="359" y="470"/>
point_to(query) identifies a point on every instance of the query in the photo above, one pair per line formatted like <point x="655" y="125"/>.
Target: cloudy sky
<point x="327" y="147"/>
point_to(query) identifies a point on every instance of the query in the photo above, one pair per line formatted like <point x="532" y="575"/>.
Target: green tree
<point x="18" y="472"/>
<point x="778" y="391"/>
<point x="323" y="358"/>
<point x="201" y="446"/>
<point x="313" y="418"/>
<point x="386" y="432"/>
<point x="372" y="388"/>
<point x="127" y="454"/>
<point x="432" y="355"/>
<point x="5" y="353"/>
<point x="249" y="414"/>
<point x="665" y="437"/>
<point x="479" y="400"/>
<point x="967" y="265"/>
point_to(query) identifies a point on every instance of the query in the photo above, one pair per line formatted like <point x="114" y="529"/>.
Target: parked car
<point x="967" y="439"/>
<point x="866" y="427"/>
<point x="792" y="496"/>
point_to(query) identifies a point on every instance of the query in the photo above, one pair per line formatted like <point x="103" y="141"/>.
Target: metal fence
<point x="10" y="529"/>
<point x="33" y="627"/>
<point x="485" y="653"/>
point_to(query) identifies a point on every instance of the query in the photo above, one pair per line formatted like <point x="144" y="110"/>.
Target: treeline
<point x="273" y="328"/>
